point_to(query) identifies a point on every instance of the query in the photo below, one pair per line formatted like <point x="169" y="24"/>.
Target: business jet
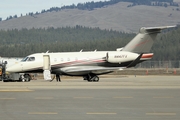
<point x="92" y="63"/>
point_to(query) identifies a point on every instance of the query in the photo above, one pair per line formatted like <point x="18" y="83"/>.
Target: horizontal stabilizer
<point x="154" y="29"/>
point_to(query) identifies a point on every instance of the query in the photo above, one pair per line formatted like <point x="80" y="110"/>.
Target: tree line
<point x="26" y="41"/>
<point x="167" y="46"/>
<point x="20" y="43"/>
<point x="93" y="5"/>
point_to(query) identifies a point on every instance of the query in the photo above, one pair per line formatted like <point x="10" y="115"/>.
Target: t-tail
<point x="144" y="40"/>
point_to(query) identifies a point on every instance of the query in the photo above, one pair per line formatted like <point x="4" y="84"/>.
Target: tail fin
<point x="144" y="40"/>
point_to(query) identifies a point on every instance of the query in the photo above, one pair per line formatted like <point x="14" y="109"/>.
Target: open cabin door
<point x="47" y="67"/>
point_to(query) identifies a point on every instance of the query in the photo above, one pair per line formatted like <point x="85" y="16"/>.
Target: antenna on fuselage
<point x="47" y="51"/>
<point x="81" y="50"/>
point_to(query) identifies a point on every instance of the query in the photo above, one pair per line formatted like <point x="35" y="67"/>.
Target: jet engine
<point x="120" y="56"/>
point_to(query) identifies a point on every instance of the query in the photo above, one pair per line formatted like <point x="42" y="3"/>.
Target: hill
<point x="117" y="17"/>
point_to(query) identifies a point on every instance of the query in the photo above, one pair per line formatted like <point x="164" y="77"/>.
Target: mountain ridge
<point x="117" y="17"/>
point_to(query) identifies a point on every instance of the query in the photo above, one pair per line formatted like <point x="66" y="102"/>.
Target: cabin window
<point x="55" y="59"/>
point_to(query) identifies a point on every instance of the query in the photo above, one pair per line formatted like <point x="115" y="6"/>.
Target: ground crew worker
<point x="58" y="78"/>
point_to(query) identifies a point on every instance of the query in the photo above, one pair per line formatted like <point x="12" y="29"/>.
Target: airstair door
<point x="47" y="67"/>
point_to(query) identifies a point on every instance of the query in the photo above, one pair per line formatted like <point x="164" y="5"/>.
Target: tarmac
<point x="115" y="98"/>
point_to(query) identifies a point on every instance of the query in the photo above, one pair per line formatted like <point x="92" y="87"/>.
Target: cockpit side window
<point x="31" y="59"/>
<point x="28" y="59"/>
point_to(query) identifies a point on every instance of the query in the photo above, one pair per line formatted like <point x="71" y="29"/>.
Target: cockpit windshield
<point x="24" y="59"/>
<point x="28" y="59"/>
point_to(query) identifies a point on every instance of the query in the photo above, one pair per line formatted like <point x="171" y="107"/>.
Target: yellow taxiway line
<point x="16" y="90"/>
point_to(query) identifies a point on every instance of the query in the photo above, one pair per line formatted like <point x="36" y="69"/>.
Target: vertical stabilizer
<point x="144" y="40"/>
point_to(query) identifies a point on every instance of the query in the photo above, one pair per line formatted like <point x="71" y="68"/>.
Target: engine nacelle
<point x="120" y="56"/>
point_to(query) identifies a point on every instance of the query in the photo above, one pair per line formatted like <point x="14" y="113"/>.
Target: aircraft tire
<point x="27" y="78"/>
<point x="96" y="79"/>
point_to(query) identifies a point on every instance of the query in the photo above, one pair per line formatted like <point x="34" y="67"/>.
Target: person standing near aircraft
<point x="58" y="78"/>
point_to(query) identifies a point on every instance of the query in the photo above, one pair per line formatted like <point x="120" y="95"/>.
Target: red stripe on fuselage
<point x="80" y="62"/>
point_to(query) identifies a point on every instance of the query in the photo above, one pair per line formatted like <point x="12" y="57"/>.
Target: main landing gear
<point x="91" y="78"/>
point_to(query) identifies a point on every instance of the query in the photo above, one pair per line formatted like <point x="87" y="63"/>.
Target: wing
<point x="88" y="69"/>
<point x="79" y="70"/>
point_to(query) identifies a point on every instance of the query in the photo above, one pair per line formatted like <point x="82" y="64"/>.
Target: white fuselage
<point x="76" y="62"/>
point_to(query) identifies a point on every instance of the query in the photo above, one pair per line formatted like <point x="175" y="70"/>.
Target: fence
<point x="159" y="64"/>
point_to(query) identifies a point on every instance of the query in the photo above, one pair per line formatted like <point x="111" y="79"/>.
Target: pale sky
<point x="18" y="7"/>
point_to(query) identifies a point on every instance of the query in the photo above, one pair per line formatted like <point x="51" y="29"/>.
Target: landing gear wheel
<point x="27" y="78"/>
<point x="96" y="79"/>
<point x="93" y="79"/>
